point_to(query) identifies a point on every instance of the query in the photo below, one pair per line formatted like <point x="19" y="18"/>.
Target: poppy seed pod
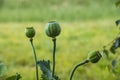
<point x="30" y="32"/>
<point x="94" y="56"/>
<point x="52" y="29"/>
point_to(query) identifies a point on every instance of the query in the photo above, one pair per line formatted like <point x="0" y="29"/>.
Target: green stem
<point x="111" y="41"/>
<point x="35" y="57"/>
<point x="54" y="49"/>
<point x="82" y="63"/>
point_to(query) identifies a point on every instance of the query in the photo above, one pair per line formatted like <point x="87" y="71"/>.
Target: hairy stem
<point x="35" y="58"/>
<point x="54" y="49"/>
<point x="111" y="41"/>
<point x="78" y="65"/>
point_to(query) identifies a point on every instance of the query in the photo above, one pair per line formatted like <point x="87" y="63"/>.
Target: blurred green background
<point x="62" y="10"/>
<point x="86" y="25"/>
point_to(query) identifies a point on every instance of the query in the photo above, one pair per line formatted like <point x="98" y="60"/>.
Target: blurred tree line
<point x="43" y="3"/>
<point x="37" y="10"/>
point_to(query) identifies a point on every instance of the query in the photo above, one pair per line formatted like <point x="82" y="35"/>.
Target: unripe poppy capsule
<point x="52" y="29"/>
<point x="94" y="56"/>
<point x="30" y="32"/>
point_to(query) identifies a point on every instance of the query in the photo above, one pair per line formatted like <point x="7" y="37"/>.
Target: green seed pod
<point x="30" y="32"/>
<point x="52" y="29"/>
<point x="94" y="56"/>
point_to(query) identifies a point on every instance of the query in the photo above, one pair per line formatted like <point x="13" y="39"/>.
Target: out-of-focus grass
<point x="62" y="10"/>
<point x="77" y="39"/>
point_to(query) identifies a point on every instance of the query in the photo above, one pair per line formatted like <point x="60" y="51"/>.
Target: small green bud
<point x="52" y="29"/>
<point x="94" y="56"/>
<point x="30" y="32"/>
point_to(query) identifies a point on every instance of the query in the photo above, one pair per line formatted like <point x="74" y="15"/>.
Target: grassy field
<point x="77" y="39"/>
<point x="86" y="25"/>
